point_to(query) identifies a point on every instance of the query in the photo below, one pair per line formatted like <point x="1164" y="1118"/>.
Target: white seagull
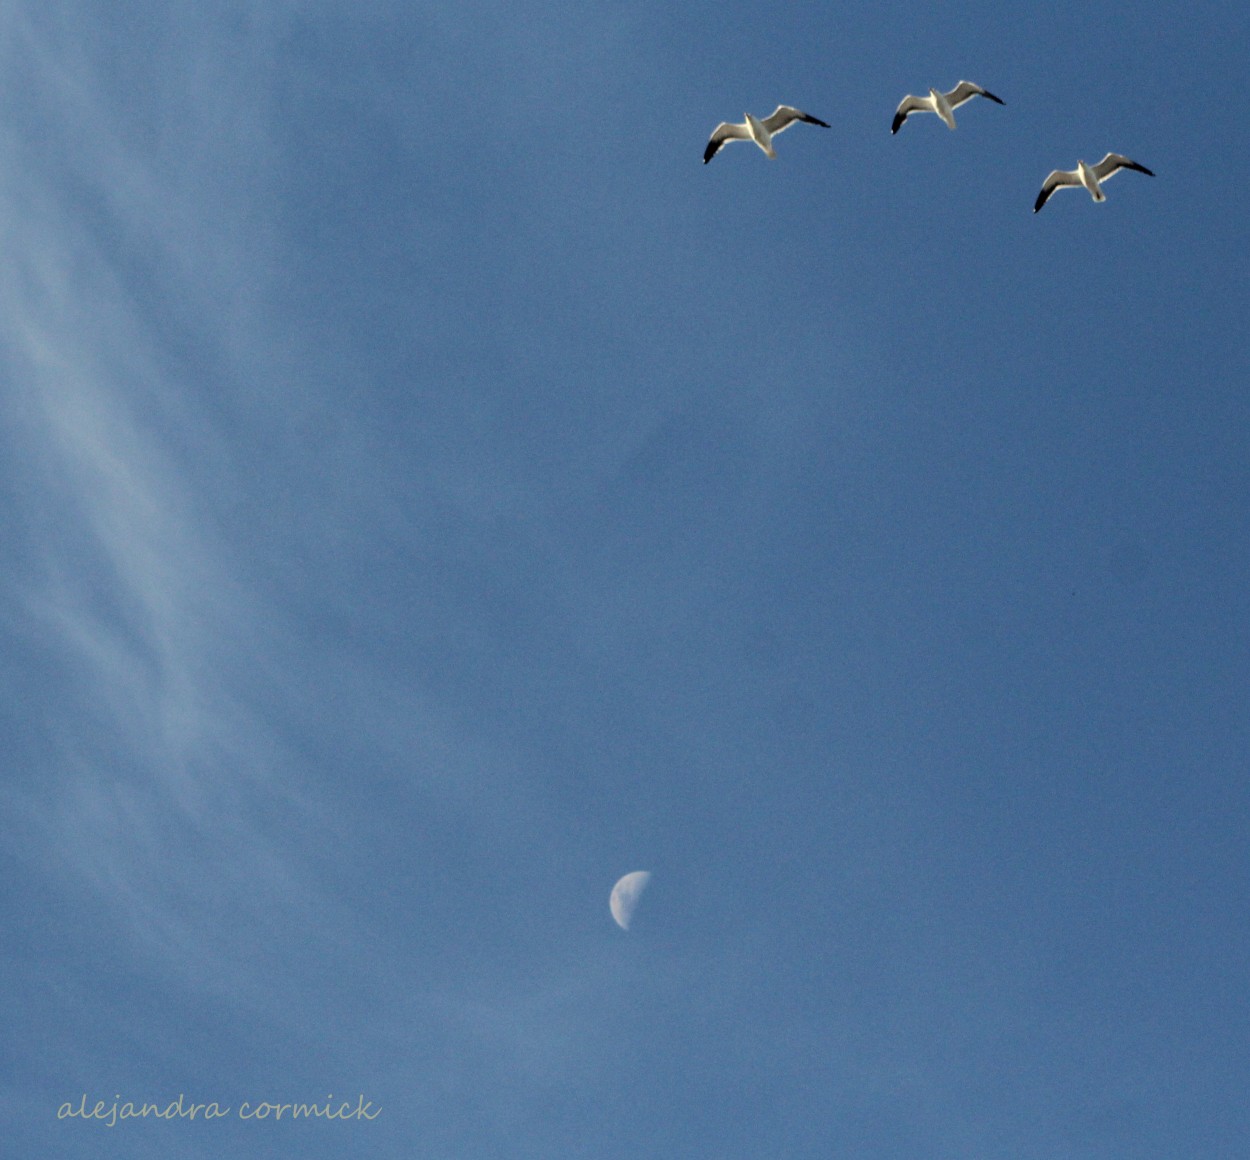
<point x="761" y="132"/>
<point x="941" y="103"/>
<point x="1090" y="176"/>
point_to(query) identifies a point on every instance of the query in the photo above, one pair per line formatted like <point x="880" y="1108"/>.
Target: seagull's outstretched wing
<point x="908" y="106"/>
<point x="1056" y="180"/>
<point x="783" y="116"/>
<point x="722" y="133"/>
<point x="966" y="90"/>
<point x="1113" y="163"/>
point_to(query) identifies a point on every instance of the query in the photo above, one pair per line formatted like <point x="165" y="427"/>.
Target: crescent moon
<point x="625" y="896"/>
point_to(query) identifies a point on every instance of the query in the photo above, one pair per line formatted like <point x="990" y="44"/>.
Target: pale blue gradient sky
<point x="429" y="493"/>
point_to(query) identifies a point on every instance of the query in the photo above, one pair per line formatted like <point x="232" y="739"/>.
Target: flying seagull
<point x="941" y="103"/>
<point x="761" y="132"/>
<point x="1090" y="176"/>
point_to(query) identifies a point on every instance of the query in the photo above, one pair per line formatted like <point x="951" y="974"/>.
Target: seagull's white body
<point x="1089" y="176"/>
<point x="761" y="131"/>
<point x="943" y="104"/>
<point x="942" y="107"/>
<point x="761" y="136"/>
<point x="1089" y="179"/>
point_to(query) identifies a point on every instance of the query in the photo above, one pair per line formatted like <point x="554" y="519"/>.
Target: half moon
<point x="625" y="896"/>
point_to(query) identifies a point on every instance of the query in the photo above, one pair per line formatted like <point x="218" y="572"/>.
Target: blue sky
<point x="431" y="493"/>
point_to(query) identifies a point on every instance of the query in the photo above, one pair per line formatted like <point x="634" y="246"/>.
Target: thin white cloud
<point x="159" y="774"/>
<point x="167" y="777"/>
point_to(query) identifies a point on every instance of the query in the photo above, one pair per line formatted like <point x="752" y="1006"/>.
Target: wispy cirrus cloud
<point x="150" y="373"/>
<point x="122" y="580"/>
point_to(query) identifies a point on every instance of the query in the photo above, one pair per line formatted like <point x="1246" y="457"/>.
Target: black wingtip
<point x="899" y="118"/>
<point x="818" y="121"/>
<point x="992" y="97"/>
